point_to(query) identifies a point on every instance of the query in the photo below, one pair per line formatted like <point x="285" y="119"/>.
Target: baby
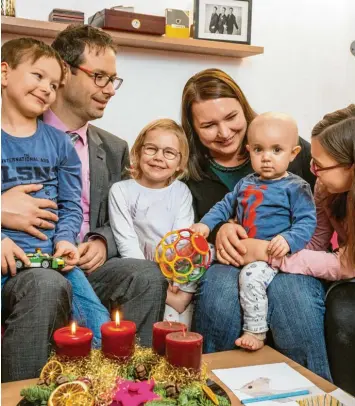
<point x="271" y="204"/>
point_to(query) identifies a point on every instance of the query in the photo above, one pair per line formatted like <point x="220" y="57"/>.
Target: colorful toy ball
<point x="183" y="256"/>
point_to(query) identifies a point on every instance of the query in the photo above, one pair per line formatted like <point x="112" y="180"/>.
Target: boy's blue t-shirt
<point x="48" y="157"/>
<point x="266" y="208"/>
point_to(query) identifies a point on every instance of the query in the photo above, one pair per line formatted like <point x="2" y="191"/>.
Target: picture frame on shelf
<point x="8" y="8"/>
<point x="223" y="20"/>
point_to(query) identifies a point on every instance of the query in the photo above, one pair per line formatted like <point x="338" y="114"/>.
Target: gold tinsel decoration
<point x="163" y="372"/>
<point x="103" y="372"/>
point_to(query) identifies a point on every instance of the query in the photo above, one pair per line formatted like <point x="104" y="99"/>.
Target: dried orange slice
<point x="210" y="394"/>
<point x="51" y="371"/>
<point x="81" y="399"/>
<point x="63" y="393"/>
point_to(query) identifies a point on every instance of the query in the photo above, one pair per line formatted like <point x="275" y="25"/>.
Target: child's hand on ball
<point x="200" y="228"/>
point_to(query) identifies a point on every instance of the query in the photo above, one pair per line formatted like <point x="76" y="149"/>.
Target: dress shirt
<point x="82" y="148"/>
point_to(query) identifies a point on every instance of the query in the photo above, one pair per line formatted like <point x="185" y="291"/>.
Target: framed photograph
<point x="223" y="20"/>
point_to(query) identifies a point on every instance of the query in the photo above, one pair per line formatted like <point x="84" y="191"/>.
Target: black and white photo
<point x="223" y="20"/>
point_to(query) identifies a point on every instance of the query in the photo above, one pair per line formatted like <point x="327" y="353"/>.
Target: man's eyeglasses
<point x="100" y="79"/>
<point x="169" y="153"/>
<point x="315" y="169"/>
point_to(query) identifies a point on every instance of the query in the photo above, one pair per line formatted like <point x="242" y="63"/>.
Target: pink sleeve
<point x="324" y="230"/>
<point x="320" y="264"/>
<point x="306" y="262"/>
<point x="313" y="260"/>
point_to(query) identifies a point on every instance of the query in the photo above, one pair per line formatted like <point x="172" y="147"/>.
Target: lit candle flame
<point x="73" y="328"/>
<point x="117" y="318"/>
<point x="184" y="332"/>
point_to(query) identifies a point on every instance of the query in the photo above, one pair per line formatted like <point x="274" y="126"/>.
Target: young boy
<point x="33" y="152"/>
<point x="271" y="204"/>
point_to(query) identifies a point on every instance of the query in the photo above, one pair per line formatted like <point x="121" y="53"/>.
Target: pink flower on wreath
<point x="134" y="393"/>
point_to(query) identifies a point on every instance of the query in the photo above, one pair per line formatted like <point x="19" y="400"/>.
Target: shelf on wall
<point x="46" y="29"/>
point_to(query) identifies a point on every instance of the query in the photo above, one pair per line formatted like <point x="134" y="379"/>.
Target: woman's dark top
<point x="232" y="175"/>
<point x="215" y="185"/>
<point x="340" y="334"/>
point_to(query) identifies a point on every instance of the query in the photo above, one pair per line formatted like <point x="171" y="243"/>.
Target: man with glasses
<point x="136" y="286"/>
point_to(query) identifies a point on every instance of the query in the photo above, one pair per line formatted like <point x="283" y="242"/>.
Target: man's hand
<point x="200" y="228"/>
<point x="9" y="250"/>
<point x="22" y="212"/>
<point x="278" y="247"/>
<point x="93" y="254"/>
<point x="69" y="252"/>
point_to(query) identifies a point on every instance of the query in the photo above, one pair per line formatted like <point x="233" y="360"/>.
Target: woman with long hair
<point x="333" y="162"/>
<point x="215" y="117"/>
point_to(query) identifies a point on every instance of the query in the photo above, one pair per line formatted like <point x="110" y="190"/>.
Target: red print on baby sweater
<point x="253" y="196"/>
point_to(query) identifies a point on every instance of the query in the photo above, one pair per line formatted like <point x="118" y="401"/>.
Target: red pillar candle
<point x="184" y="349"/>
<point x="118" y="338"/>
<point x="160" y="330"/>
<point x="73" y="341"/>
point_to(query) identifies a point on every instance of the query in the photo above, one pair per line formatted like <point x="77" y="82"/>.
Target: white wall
<point x="307" y="69"/>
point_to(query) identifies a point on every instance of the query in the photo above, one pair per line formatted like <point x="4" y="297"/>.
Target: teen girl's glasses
<point x="169" y="153"/>
<point x="315" y="169"/>
<point x="100" y="79"/>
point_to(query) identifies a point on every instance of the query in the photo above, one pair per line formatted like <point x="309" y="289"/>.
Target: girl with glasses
<point x="333" y="154"/>
<point x="333" y="162"/>
<point x="143" y="209"/>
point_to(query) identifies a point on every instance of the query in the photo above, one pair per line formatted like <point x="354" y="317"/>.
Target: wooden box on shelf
<point x="131" y="22"/>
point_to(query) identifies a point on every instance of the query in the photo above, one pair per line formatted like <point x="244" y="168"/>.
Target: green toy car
<point x="41" y="260"/>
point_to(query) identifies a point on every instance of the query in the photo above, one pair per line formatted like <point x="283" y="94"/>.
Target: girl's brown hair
<point x="208" y="85"/>
<point x="336" y="134"/>
<point x="164" y="124"/>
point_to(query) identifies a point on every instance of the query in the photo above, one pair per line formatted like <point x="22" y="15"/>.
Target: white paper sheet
<point x="343" y="397"/>
<point x="263" y="380"/>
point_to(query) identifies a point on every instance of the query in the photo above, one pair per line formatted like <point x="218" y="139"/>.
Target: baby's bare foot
<point x="250" y="341"/>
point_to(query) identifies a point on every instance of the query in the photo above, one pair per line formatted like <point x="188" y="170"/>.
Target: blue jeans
<point x="87" y="310"/>
<point x="295" y="315"/>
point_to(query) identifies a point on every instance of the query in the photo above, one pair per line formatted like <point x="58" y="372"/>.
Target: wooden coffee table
<point x="228" y="359"/>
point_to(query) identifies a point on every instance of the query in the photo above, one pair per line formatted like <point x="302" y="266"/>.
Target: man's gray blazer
<point x="108" y="162"/>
